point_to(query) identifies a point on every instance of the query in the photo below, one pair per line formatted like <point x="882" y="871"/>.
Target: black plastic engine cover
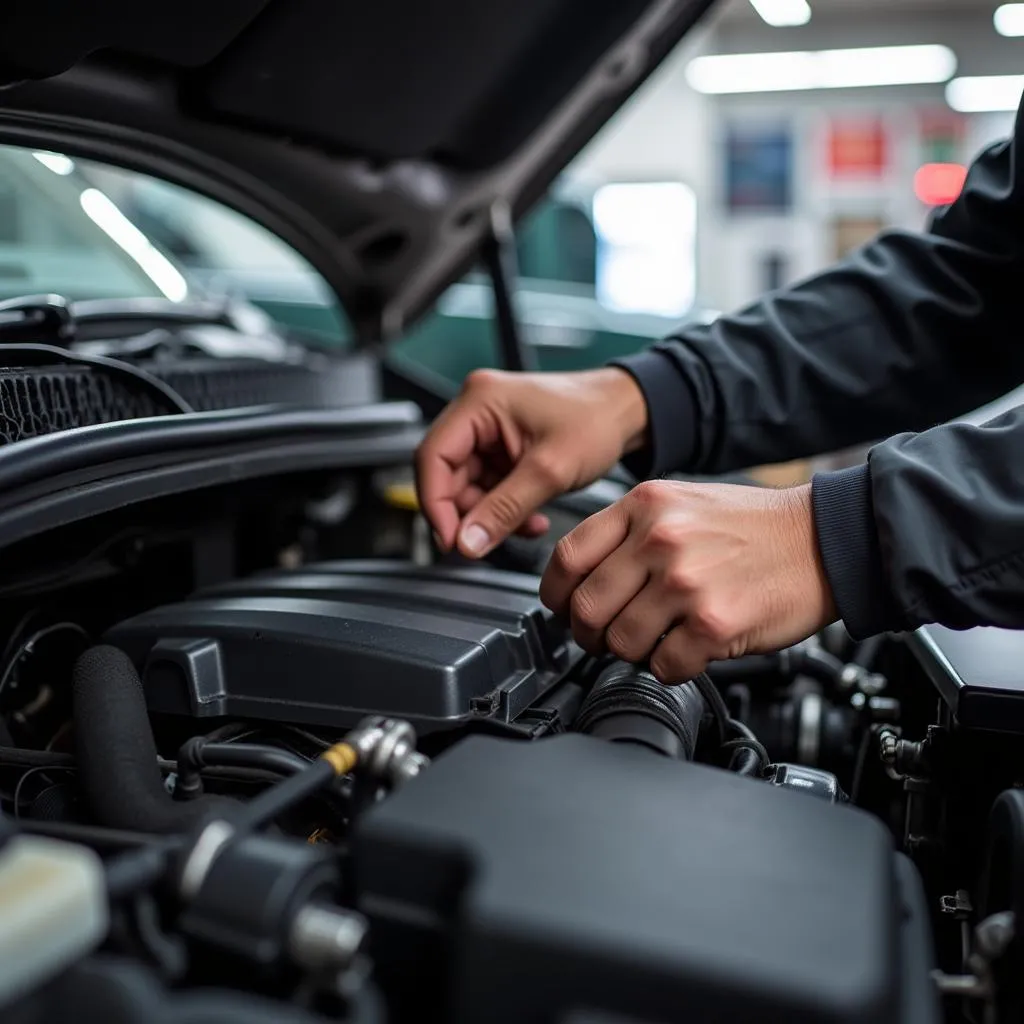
<point x="516" y="882"/>
<point x="331" y="643"/>
<point x="978" y="673"/>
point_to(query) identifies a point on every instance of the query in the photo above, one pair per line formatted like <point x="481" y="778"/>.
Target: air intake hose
<point x="628" y="705"/>
<point x="116" y="752"/>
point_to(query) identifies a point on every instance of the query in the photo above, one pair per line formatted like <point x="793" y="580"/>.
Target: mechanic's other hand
<point x="512" y="441"/>
<point x="684" y="574"/>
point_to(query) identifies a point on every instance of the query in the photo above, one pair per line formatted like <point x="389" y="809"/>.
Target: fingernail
<point x="475" y="539"/>
<point x="438" y="543"/>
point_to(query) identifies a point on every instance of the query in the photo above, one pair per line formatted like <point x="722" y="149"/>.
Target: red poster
<point x="857" y="148"/>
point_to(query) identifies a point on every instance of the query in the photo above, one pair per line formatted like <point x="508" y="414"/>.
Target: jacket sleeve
<point x="930" y="530"/>
<point x="910" y="331"/>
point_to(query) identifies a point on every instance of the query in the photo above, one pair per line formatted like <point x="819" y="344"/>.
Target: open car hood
<point x="383" y="140"/>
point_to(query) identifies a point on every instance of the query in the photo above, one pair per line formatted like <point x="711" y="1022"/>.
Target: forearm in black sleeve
<point x="930" y="530"/>
<point x="909" y="331"/>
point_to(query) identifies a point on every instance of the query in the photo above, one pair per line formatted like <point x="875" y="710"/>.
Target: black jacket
<point x="909" y="332"/>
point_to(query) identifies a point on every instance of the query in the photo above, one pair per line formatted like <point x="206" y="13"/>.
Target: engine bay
<point x="315" y="772"/>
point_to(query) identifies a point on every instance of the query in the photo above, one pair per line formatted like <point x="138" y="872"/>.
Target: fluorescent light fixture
<point x="56" y="162"/>
<point x="1009" y="20"/>
<point x="985" y="93"/>
<point x="106" y="216"/>
<point x="783" y="13"/>
<point x="821" y="69"/>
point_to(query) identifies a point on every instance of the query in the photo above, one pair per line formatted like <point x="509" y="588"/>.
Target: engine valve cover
<point x="333" y="642"/>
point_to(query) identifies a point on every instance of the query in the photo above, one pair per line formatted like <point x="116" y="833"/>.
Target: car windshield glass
<point x="59" y="233"/>
<point x="85" y="230"/>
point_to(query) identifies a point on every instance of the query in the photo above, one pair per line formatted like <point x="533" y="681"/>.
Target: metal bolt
<point x="325" y="938"/>
<point x="887" y="744"/>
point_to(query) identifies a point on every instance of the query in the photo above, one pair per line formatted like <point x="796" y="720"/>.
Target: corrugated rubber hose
<point x="628" y="705"/>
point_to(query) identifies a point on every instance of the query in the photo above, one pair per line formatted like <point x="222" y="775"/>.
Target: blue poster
<point x="758" y="169"/>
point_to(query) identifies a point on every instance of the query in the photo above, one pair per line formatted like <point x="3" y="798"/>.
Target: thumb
<point x="509" y="504"/>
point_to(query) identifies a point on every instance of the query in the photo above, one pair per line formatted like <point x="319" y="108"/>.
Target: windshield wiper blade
<point x="158" y="312"/>
<point x="53" y="319"/>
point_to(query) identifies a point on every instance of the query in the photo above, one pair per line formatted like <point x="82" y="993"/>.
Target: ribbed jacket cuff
<point x="672" y="425"/>
<point x="844" y="519"/>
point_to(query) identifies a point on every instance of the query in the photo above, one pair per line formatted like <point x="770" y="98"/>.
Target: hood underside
<point x="380" y="139"/>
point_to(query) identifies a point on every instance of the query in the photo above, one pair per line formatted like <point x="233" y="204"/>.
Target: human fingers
<point x="603" y="594"/>
<point x="579" y="553"/>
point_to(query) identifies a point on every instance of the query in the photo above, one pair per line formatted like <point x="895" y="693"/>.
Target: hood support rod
<point x="499" y="256"/>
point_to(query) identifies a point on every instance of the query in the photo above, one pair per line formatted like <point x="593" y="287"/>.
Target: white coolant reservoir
<point x="53" y="909"/>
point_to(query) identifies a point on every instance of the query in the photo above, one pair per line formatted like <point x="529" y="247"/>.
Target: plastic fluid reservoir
<point x="53" y="909"/>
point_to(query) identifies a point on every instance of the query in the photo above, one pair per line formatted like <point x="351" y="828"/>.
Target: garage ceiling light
<point x="821" y="69"/>
<point x="1009" y="20"/>
<point x="985" y="93"/>
<point x="784" y="13"/>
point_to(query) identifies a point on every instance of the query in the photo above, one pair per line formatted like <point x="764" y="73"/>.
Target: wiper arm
<point x="46" y="318"/>
<point x="52" y="319"/>
<point x="140" y="314"/>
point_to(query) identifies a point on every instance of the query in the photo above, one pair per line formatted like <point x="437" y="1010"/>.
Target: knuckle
<point x="564" y="556"/>
<point x="650" y="492"/>
<point x="663" y="669"/>
<point x="548" y="468"/>
<point x="663" y="535"/>
<point x="506" y="509"/>
<point x="680" y="579"/>
<point x="481" y="380"/>
<point x="619" y="643"/>
<point x="714" y="624"/>
<point x="584" y="610"/>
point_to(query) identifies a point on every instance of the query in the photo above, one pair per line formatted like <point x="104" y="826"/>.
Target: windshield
<point x="86" y="230"/>
<point x="61" y="234"/>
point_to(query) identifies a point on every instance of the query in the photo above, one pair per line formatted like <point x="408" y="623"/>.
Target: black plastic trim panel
<point x="61" y="478"/>
<point x="979" y="673"/>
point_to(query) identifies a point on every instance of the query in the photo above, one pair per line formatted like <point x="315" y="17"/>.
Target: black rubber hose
<point x="816" y="663"/>
<point x="805" y="660"/>
<point x="628" y="705"/>
<point x="745" y="667"/>
<point x="198" y="754"/>
<point x="116" y="753"/>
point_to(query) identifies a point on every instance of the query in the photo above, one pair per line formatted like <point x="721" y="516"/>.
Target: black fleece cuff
<point x="844" y="519"/>
<point x="672" y="425"/>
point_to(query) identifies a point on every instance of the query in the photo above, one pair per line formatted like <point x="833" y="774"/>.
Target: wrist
<point x="624" y="401"/>
<point x="804" y="553"/>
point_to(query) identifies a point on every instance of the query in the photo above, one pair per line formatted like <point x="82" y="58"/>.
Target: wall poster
<point x="758" y="169"/>
<point x="858" y="147"/>
<point x="849" y="233"/>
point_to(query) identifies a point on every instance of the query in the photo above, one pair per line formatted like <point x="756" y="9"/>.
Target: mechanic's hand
<point x="685" y="574"/>
<point x="512" y="441"/>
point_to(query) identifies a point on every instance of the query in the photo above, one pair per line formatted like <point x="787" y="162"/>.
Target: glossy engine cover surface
<point x="575" y="875"/>
<point x="977" y="673"/>
<point x="331" y="643"/>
